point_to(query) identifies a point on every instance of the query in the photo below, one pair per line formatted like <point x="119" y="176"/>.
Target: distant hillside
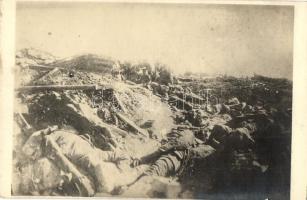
<point x="31" y="56"/>
<point x="88" y="62"/>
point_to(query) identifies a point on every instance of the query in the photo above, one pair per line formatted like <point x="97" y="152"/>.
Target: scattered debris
<point x="240" y="130"/>
<point x="131" y="124"/>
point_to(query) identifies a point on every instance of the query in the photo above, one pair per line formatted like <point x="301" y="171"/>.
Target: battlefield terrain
<point x="134" y="109"/>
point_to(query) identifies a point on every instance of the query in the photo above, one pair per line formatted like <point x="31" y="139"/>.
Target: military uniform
<point x="173" y="157"/>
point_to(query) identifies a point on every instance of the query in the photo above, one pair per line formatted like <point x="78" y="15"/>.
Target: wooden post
<point x="48" y="74"/>
<point x="207" y="97"/>
<point x="120" y="104"/>
<point x="83" y="182"/>
<point x="56" y="87"/>
<point x="131" y="124"/>
<point x="41" y="67"/>
<point x="28" y="126"/>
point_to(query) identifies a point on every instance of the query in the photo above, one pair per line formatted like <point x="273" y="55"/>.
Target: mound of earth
<point x="83" y="95"/>
<point x="30" y="56"/>
<point x="88" y="62"/>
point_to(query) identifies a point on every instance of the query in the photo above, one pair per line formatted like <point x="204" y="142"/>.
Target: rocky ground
<point x="128" y="115"/>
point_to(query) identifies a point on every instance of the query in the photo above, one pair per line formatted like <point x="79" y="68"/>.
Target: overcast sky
<point x="228" y="39"/>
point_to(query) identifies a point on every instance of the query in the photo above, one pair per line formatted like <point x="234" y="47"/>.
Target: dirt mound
<point x="84" y="96"/>
<point x="63" y="77"/>
<point x="26" y="58"/>
<point x="145" y="109"/>
<point x="31" y="56"/>
<point x="88" y="62"/>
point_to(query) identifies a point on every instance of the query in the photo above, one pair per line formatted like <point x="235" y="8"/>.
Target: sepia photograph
<point x="153" y="100"/>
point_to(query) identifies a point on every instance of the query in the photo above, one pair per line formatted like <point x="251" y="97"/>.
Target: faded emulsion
<point x="153" y="100"/>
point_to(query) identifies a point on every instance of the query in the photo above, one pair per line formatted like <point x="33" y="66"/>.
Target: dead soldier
<point x="172" y="158"/>
<point x="244" y="163"/>
<point x="87" y="169"/>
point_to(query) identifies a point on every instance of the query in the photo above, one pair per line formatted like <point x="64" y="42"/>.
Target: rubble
<point x="80" y="108"/>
